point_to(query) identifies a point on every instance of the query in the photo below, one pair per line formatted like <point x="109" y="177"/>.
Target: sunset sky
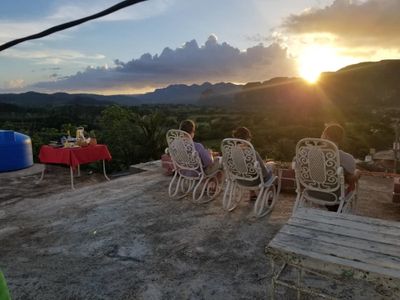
<point x="161" y="42"/>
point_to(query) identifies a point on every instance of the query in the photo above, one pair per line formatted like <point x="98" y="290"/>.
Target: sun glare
<point x="315" y="59"/>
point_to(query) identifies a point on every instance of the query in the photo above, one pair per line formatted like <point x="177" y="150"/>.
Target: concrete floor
<point x="125" y="239"/>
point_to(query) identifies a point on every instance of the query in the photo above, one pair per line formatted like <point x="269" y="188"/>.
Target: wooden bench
<point x="341" y="245"/>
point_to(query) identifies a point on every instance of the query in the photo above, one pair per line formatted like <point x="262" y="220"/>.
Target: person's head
<point x="188" y="126"/>
<point x="334" y="133"/>
<point x="242" y="133"/>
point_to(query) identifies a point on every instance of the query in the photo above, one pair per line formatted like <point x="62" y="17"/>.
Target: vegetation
<point x="137" y="134"/>
<point x="363" y="98"/>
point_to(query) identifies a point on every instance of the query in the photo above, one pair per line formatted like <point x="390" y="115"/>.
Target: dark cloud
<point x="370" y="23"/>
<point x="190" y="63"/>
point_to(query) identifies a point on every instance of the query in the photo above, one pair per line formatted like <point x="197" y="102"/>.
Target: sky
<point x="160" y="42"/>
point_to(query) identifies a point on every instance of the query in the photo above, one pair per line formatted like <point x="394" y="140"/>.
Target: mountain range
<point x="367" y="84"/>
<point x="375" y="83"/>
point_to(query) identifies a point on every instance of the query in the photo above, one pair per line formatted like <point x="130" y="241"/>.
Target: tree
<point x="154" y="127"/>
<point x="121" y="134"/>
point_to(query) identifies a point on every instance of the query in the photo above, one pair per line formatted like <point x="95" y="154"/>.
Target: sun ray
<point x="315" y="59"/>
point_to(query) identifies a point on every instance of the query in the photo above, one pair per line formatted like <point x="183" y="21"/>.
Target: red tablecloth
<point x="73" y="156"/>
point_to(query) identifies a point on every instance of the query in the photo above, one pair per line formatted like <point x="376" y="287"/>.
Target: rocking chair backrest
<point x="317" y="164"/>
<point x="239" y="159"/>
<point x="182" y="150"/>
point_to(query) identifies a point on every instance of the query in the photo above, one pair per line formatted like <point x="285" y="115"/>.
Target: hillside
<point x="34" y="99"/>
<point x="369" y="83"/>
<point x="173" y="94"/>
<point x="192" y="94"/>
<point x="372" y="84"/>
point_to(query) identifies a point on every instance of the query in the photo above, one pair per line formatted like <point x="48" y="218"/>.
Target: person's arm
<point x="352" y="179"/>
<point x="266" y="172"/>
<point x="348" y="162"/>
<point x="351" y="174"/>
<point x="205" y="156"/>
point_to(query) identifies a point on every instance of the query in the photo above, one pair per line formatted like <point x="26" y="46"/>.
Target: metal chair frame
<point x="189" y="176"/>
<point x="241" y="165"/>
<point x="319" y="176"/>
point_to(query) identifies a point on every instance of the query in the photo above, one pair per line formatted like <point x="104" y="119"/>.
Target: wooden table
<point x="74" y="157"/>
<point x="342" y="245"/>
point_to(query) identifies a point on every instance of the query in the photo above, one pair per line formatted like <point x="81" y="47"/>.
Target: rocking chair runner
<point x="319" y="176"/>
<point x="243" y="172"/>
<point x="189" y="175"/>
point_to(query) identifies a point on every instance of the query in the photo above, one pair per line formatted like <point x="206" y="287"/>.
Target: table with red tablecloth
<point x="74" y="157"/>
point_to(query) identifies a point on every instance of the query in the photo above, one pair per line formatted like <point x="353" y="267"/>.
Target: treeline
<point x="137" y="134"/>
<point x="132" y="134"/>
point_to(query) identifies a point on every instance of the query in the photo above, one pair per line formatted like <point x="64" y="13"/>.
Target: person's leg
<point x="215" y="166"/>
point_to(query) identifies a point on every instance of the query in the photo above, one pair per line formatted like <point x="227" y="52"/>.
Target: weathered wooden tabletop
<point x="341" y="244"/>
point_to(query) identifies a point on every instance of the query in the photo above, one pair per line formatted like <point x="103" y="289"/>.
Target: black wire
<point x="64" y="26"/>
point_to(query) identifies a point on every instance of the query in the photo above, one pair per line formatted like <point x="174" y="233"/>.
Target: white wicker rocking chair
<point x="241" y="170"/>
<point x="319" y="176"/>
<point x="189" y="176"/>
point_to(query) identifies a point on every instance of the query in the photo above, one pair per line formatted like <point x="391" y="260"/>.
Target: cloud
<point x="189" y="64"/>
<point x="14" y="84"/>
<point x="258" y="38"/>
<point x="369" y="23"/>
<point x="52" y="56"/>
<point x="51" y="68"/>
<point x="15" y="29"/>
<point x="69" y="10"/>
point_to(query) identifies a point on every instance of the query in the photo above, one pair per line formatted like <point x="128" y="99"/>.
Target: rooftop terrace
<point x="125" y="239"/>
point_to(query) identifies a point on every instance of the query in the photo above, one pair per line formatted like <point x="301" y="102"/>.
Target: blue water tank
<point x="15" y="151"/>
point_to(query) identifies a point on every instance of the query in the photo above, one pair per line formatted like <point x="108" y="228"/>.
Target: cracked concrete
<point x="125" y="239"/>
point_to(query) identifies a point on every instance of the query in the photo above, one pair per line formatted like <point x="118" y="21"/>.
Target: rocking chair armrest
<point x="256" y="164"/>
<point x="350" y="195"/>
<point x="212" y="174"/>
<point x="270" y="181"/>
<point x="340" y="171"/>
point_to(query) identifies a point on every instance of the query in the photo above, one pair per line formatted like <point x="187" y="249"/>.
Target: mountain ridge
<point x="366" y="82"/>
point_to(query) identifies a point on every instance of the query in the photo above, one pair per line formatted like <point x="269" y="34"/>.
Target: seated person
<point x="209" y="164"/>
<point x="335" y="134"/>
<point x="244" y="134"/>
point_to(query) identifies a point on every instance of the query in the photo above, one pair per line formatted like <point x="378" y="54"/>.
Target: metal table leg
<point x="104" y="171"/>
<point x="298" y="284"/>
<point x="299" y="280"/>
<point x="42" y="175"/>
<point x="272" y="293"/>
<point x="72" y="177"/>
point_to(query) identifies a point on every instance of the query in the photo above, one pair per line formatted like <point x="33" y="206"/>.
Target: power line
<point x="67" y="25"/>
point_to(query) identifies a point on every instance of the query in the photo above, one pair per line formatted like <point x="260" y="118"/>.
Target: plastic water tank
<point x="15" y="151"/>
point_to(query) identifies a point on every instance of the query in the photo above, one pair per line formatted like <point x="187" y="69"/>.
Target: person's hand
<point x="352" y="179"/>
<point x="210" y="152"/>
<point x="216" y="154"/>
<point x="357" y="174"/>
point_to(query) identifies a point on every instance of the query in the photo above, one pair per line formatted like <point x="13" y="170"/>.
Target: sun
<point x="315" y="59"/>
